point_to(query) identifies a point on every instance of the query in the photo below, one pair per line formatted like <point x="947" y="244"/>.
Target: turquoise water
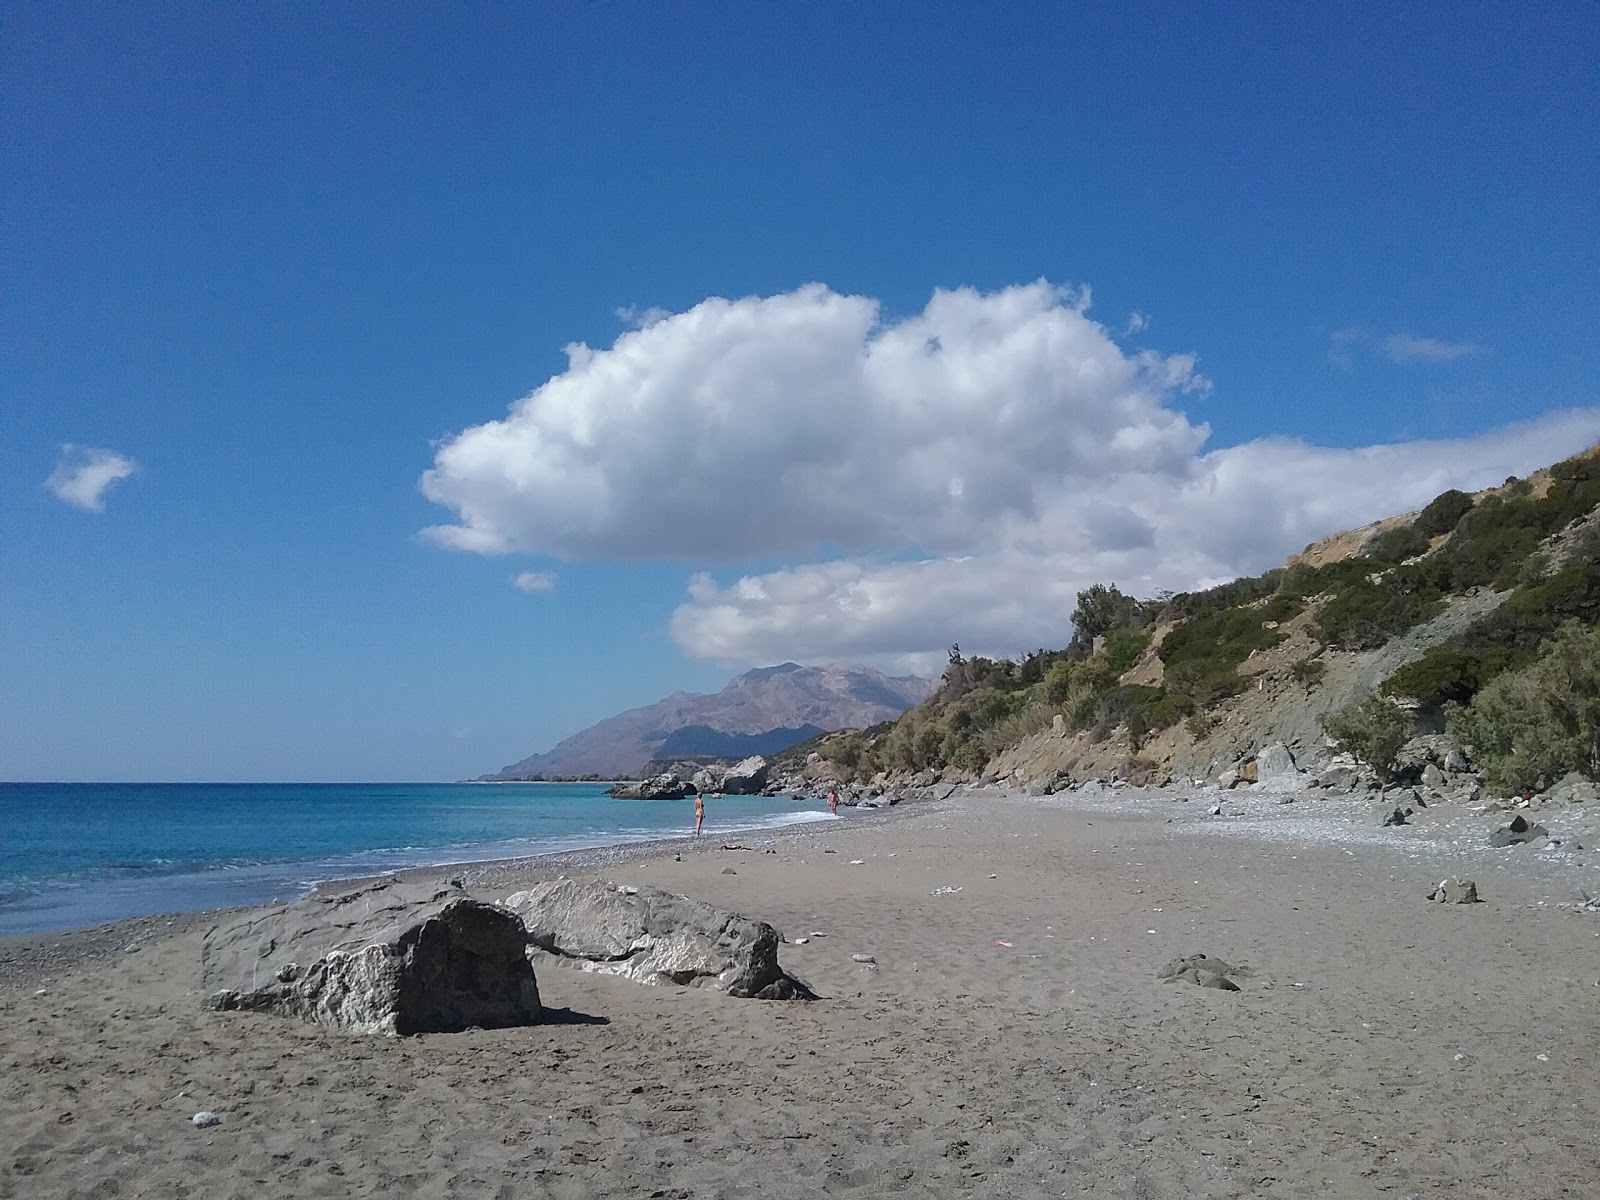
<point x="76" y="854"/>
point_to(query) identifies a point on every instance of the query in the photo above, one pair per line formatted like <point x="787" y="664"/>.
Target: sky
<point x="390" y="393"/>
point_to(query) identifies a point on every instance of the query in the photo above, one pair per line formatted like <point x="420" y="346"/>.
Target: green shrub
<point x="1442" y="513"/>
<point x="1365" y="615"/>
<point x="1123" y="648"/>
<point x="1447" y="674"/>
<point x="1308" y="671"/>
<point x="1394" y="546"/>
<point x="1372" y="729"/>
<point x="1530" y="727"/>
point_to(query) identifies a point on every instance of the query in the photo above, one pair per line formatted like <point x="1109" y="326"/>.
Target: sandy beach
<point x="1010" y="1039"/>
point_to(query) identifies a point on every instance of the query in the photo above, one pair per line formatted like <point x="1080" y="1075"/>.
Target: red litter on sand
<point x="1007" y="945"/>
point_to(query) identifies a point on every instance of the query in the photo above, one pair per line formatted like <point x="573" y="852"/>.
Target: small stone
<point x="729" y="871"/>
<point x="858" y="862"/>
<point x="205" y="1120"/>
<point x="862" y="958"/>
<point x="1455" y="891"/>
<point x="801" y="941"/>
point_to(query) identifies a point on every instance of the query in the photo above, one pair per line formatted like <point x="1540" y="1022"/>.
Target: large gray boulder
<point x="745" y="778"/>
<point x="1275" y="768"/>
<point x="652" y="936"/>
<point x="390" y="958"/>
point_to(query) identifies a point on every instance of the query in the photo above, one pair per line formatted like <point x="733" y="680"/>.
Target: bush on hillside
<point x="1394" y="546"/>
<point x="1509" y="637"/>
<point x="1530" y="727"/>
<point x="1366" y="615"/>
<point x="1372" y="729"/>
<point x="1442" y="513"/>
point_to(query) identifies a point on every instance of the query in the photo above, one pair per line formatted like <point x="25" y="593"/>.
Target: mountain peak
<point x="761" y="711"/>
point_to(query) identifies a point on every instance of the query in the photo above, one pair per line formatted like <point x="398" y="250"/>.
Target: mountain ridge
<point x="757" y="708"/>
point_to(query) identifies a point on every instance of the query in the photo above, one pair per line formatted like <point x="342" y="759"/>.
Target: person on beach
<point x="699" y="812"/>
<point x="833" y="801"/>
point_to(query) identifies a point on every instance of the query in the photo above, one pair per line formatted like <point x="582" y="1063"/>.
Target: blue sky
<point x="288" y="267"/>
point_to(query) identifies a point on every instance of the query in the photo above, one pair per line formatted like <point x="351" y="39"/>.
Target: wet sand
<point x="1011" y="1038"/>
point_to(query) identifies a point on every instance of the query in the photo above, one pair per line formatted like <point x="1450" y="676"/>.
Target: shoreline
<point x="990" y="1022"/>
<point x="27" y="960"/>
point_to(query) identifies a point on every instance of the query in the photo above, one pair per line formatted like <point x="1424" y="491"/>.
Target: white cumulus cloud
<point x="779" y="425"/>
<point x="530" y="582"/>
<point x="1230" y="512"/>
<point x="957" y="474"/>
<point x="84" y="475"/>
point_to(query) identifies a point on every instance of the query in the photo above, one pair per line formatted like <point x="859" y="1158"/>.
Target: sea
<point x="80" y="854"/>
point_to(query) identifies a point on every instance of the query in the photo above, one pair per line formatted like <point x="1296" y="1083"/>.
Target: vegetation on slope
<point x="1399" y="579"/>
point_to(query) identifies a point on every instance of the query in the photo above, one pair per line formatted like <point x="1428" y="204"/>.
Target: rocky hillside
<point x="759" y="712"/>
<point x="1468" y="597"/>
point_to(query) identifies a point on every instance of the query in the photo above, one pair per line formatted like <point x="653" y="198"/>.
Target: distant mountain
<point x="760" y="712"/>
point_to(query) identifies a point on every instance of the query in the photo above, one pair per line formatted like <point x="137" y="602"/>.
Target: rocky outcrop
<point x="745" y="778"/>
<point x="657" y="787"/>
<point x="388" y="958"/>
<point x="652" y="936"/>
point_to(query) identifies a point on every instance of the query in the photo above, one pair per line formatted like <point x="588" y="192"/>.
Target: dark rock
<point x="1048" y="784"/>
<point x="1200" y="969"/>
<point x="729" y="871"/>
<point x="391" y="957"/>
<point x="657" y="787"/>
<point x="1517" y="833"/>
<point x="652" y="936"/>
<point x="1393" y="815"/>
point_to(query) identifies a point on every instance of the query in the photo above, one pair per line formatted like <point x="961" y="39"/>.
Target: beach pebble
<point x="818" y="933"/>
<point x="729" y="871"/>
<point x="862" y="958"/>
<point x="858" y="862"/>
<point x="801" y="941"/>
<point x="205" y="1120"/>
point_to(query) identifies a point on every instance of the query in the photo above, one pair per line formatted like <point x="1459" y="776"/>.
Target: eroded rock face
<point x="652" y="936"/>
<point x="389" y="958"/>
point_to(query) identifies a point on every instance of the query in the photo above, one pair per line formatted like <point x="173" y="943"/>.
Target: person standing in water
<point x="833" y="801"/>
<point x="699" y="812"/>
